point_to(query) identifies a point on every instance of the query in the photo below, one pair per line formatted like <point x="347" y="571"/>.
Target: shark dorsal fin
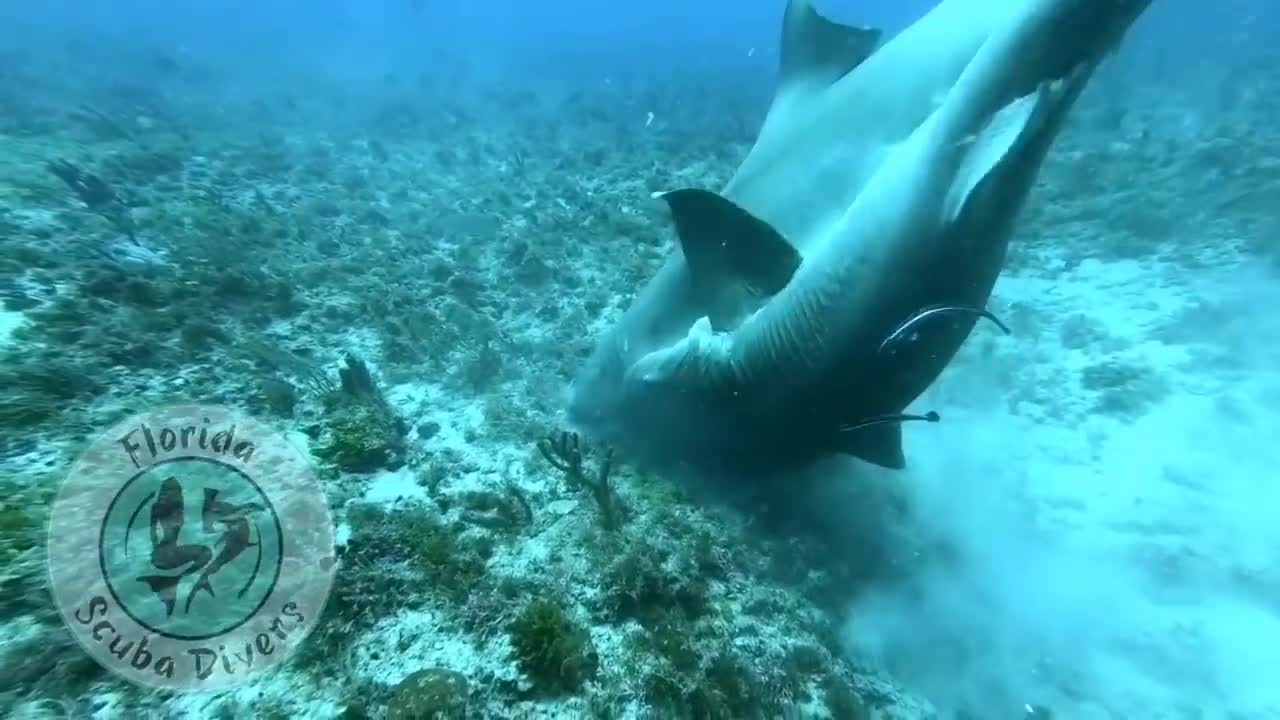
<point x="727" y="247"/>
<point x="817" y="52"/>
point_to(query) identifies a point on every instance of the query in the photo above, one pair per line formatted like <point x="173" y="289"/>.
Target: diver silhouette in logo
<point x="228" y="524"/>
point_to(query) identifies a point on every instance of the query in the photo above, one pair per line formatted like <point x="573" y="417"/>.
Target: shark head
<point x="885" y="179"/>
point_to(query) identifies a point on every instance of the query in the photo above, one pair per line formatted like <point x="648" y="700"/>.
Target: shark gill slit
<point x="801" y="333"/>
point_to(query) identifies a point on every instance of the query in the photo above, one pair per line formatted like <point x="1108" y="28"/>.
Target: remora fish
<point x="883" y="181"/>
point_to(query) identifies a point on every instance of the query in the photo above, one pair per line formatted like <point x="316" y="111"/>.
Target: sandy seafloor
<point x="1092" y="529"/>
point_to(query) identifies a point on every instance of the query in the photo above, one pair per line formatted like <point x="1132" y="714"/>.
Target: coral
<point x="1079" y="331"/>
<point x="279" y="397"/>
<point x="506" y="511"/>
<point x="431" y="475"/>
<point x="640" y="585"/>
<point x="564" y="452"/>
<point x="482" y="367"/>
<point x="431" y="694"/>
<point x="1124" y="389"/>
<point x="364" y="432"/>
<point x="731" y="690"/>
<point x="392" y="560"/>
<point x="842" y="702"/>
<point x="727" y="688"/>
<point x="366" y="588"/>
<point x="362" y="438"/>
<point x="450" y="564"/>
<point x="673" y="642"/>
<point x="550" y="649"/>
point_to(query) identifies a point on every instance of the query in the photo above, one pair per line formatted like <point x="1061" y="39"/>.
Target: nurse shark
<point x="820" y="292"/>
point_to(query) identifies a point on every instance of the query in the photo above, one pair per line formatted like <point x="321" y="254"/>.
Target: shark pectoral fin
<point x="816" y="52"/>
<point x="878" y="439"/>
<point x="988" y="148"/>
<point x="879" y="444"/>
<point x="727" y="246"/>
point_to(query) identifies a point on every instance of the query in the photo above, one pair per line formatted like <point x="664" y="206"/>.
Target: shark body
<point x="885" y="179"/>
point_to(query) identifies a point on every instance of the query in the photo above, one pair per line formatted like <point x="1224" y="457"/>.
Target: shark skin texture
<point x="886" y="178"/>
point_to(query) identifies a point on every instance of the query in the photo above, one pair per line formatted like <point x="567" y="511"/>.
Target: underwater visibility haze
<point x="791" y="359"/>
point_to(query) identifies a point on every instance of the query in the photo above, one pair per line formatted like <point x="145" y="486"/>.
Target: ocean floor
<point x="1088" y="533"/>
<point x="1101" y="483"/>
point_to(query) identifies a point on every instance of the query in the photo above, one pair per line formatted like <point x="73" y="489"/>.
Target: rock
<point x="429" y="694"/>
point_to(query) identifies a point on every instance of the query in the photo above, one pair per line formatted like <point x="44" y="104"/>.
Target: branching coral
<point x="564" y="452"/>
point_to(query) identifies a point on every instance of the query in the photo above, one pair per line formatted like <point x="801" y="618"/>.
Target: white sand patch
<point x="1100" y="566"/>
<point x="10" y="321"/>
